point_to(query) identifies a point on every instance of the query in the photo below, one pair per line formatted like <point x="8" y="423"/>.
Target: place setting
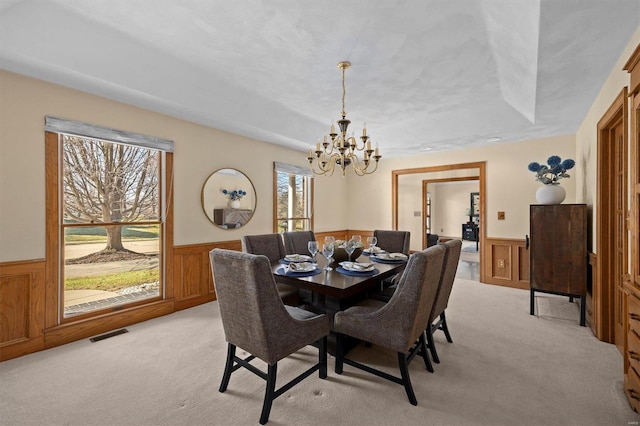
<point x="296" y="258"/>
<point x="384" y="257"/>
<point x="299" y="269"/>
<point x="357" y="269"/>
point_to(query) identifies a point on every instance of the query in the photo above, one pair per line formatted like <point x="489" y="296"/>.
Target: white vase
<point x="234" y="204"/>
<point x="550" y="194"/>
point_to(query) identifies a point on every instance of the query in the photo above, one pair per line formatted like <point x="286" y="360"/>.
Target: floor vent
<point x="107" y="335"/>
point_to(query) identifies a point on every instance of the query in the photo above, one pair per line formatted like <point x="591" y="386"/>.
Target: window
<point x="111" y="225"/>
<point x="293" y="198"/>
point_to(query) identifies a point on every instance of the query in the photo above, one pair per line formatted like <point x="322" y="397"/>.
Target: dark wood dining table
<point x="332" y="291"/>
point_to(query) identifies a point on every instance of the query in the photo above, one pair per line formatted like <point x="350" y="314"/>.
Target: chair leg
<point x="432" y="344"/>
<point x="322" y="358"/>
<point x="269" y="393"/>
<point x="425" y="354"/>
<point x="228" y="367"/>
<point x="445" y="328"/>
<point x="406" y="381"/>
<point x="339" y="354"/>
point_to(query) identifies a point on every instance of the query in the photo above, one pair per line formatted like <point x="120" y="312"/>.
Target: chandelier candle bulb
<point x="364" y="129"/>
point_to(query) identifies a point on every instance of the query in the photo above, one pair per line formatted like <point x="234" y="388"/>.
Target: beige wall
<point x="587" y="134"/>
<point x="510" y="186"/>
<point x="199" y="151"/>
<point x="450" y="203"/>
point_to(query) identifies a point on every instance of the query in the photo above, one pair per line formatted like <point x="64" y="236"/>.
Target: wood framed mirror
<point x="228" y="198"/>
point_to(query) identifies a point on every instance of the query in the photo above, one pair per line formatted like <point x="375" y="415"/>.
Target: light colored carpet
<point x="505" y="367"/>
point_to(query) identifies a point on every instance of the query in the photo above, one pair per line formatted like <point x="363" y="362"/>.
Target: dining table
<point x="331" y="291"/>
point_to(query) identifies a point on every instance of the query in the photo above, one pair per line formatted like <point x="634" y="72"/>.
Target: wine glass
<point x="313" y="249"/>
<point x="356" y="238"/>
<point x="350" y="247"/>
<point x="327" y="251"/>
<point x="329" y="240"/>
<point x="372" y="241"/>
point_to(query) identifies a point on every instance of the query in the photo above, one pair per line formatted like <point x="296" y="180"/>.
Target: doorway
<point x="406" y="210"/>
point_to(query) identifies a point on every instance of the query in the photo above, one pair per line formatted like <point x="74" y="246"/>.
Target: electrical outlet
<point x="500" y="263"/>
<point x="500" y="215"/>
<point x="417" y="214"/>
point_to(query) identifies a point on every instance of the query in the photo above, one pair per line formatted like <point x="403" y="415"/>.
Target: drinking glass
<point x="327" y="251"/>
<point x="372" y="241"/>
<point x="350" y="247"/>
<point x="313" y="249"/>
<point x="329" y="239"/>
<point x="356" y="239"/>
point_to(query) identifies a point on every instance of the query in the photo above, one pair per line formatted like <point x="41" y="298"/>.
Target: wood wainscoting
<point x="506" y="262"/>
<point x="23" y="306"/>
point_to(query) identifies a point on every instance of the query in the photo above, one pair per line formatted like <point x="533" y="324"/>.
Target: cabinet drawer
<point x="632" y="389"/>
<point x="633" y="346"/>
<point x="634" y="312"/>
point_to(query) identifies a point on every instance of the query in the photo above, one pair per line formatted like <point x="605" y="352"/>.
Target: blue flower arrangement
<point x="555" y="170"/>
<point x="235" y="194"/>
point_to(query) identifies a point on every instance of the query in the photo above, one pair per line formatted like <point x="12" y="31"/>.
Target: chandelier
<point x="342" y="150"/>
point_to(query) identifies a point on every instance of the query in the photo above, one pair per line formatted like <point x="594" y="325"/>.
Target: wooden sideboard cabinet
<point x="558" y="252"/>
<point x="231" y="217"/>
<point x="632" y="358"/>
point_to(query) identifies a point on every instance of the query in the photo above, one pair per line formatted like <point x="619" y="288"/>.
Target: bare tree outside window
<point x="109" y="183"/>
<point x="293" y="204"/>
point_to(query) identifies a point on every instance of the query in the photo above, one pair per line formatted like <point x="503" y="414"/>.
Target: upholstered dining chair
<point x="393" y="241"/>
<point x="295" y="242"/>
<point x="399" y="324"/>
<point x="437" y="318"/>
<point x="255" y="320"/>
<point x="272" y="246"/>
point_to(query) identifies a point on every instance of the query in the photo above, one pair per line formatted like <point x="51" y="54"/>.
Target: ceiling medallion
<point x="342" y="150"/>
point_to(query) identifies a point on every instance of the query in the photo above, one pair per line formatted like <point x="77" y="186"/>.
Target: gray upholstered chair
<point x="437" y="319"/>
<point x="272" y="246"/>
<point x="295" y="242"/>
<point x="432" y="239"/>
<point x="393" y="241"/>
<point x="399" y="324"/>
<point x="255" y="320"/>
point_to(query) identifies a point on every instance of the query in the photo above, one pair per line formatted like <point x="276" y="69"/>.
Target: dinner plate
<point x="391" y="256"/>
<point x="357" y="267"/>
<point x="297" y="258"/>
<point x="302" y="267"/>
<point x="376" y="250"/>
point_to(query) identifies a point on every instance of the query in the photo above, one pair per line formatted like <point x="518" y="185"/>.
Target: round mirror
<point x="228" y="198"/>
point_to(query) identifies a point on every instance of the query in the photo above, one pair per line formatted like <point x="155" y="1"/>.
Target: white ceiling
<point x="436" y="74"/>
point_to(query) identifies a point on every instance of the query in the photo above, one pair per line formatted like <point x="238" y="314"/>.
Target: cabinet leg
<point x="531" y="302"/>
<point x="583" y="311"/>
